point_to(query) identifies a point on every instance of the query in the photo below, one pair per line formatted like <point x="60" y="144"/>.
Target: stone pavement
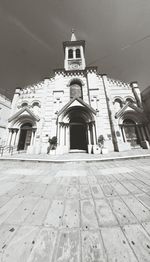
<point x="80" y="156"/>
<point x="75" y="212"/>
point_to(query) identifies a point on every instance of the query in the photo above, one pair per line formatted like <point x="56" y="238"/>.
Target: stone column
<point x="123" y="134"/>
<point x="67" y="136"/>
<point x="58" y="133"/>
<point x="13" y="137"/>
<point x="10" y="137"/>
<point x="144" y="143"/>
<point x="61" y="134"/>
<point x="143" y="133"/>
<point x="16" y="132"/>
<point x="32" y="137"/>
<point x="89" y="134"/>
<point x="94" y="135"/>
<point x="139" y="133"/>
<point x="89" y="139"/>
<point x="17" y="138"/>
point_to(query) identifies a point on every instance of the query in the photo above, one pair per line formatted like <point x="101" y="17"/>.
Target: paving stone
<point x="79" y="212"/>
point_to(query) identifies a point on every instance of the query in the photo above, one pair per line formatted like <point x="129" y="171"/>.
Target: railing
<point x="6" y="149"/>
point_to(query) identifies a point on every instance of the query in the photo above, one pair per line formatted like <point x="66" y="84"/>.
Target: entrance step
<point x="77" y="151"/>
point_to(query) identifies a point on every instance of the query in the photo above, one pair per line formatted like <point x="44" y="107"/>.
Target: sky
<point x="117" y="35"/>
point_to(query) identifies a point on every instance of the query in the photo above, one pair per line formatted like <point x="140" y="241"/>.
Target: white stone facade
<point x="77" y="105"/>
<point x="5" y="108"/>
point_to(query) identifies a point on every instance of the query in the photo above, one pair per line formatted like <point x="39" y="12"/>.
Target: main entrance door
<point x="78" y="133"/>
<point x="78" y="138"/>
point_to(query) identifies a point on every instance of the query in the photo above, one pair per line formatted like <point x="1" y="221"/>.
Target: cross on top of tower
<point x="73" y="37"/>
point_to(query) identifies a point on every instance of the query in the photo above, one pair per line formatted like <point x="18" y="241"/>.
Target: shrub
<point x="52" y="144"/>
<point x="101" y="140"/>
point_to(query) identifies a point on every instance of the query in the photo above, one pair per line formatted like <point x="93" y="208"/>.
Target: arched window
<point x="76" y="89"/>
<point x="129" y="100"/>
<point x="24" y="104"/>
<point x="36" y="107"/>
<point x="117" y="104"/>
<point x="36" y="104"/>
<point x="70" y="53"/>
<point x="78" y="54"/>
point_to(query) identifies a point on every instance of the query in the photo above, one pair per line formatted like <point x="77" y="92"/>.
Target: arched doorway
<point x="78" y="133"/>
<point x="25" y="136"/>
<point x="76" y="128"/>
<point x="131" y="132"/>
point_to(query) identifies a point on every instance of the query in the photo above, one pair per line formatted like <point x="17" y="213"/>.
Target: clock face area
<point x="75" y="65"/>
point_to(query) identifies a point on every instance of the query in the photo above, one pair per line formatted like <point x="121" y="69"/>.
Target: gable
<point x="24" y="112"/>
<point x="128" y="106"/>
<point x="76" y="102"/>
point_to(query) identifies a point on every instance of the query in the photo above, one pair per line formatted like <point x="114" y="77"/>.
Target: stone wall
<point x="5" y="108"/>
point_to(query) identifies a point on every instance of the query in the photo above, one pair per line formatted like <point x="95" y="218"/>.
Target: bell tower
<point x="74" y="53"/>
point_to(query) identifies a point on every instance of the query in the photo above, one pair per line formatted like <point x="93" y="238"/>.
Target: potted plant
<point x="101" y="141"/>
<point x="52" y="145"/>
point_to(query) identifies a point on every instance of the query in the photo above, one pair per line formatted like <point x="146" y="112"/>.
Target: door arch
<point x="76" y="127"/>
<point x="25" y="136"/>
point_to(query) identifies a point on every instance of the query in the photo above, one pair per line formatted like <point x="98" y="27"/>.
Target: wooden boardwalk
<point x="75" y="212"/>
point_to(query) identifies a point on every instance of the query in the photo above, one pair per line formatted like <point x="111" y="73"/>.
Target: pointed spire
<point x="73" y="37"/>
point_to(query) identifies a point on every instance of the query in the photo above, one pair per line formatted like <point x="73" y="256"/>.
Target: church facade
<point x="78" y="105"/>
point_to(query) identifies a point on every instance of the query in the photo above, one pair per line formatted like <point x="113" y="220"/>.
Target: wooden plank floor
<point x="75" y="212"/>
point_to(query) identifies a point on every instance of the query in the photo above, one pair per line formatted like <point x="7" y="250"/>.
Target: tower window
<point x="70" y="53"/>
<point x="78" y="53"/>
